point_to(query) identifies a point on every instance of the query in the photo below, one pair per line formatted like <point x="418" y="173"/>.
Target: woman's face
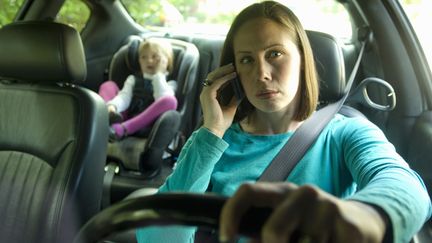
<point x="268" y="64"/>
<point x="152" y="60"/>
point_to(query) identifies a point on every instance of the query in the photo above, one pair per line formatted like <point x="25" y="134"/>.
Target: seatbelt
<point x="110" y="170"/>
<point x="296" y="147"/>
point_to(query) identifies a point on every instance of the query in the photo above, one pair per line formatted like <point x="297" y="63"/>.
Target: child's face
<point x="152" y="61"/>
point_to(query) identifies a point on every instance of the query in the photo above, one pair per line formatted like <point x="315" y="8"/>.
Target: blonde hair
<point x="308" y="87"/>
<point x="162" y="46"/>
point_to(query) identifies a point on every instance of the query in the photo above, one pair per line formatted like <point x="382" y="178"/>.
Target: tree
<point x="8" y="10"/>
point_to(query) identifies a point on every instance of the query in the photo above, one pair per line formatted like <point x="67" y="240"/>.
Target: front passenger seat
<point x="52" y="135"/>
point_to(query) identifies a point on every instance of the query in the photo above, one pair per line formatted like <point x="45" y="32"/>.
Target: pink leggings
<point x="109" y="89"/>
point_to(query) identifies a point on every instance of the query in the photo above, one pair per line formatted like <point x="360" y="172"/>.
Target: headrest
<point x="42" y="52"/>
<point x="330" y="65"/>
<point x="132" y="57"/>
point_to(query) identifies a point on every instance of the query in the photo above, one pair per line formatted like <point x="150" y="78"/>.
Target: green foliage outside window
<point x="74" y="13"/>
<point x="8" y="10"/>
<point x="145" y="12"/>
<point x="156" y="12"/>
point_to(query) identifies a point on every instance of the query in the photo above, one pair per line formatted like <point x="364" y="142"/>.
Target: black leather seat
<point x="144" y="151"/>
<point x="330" y="66"/>
<point x="52" y="135"/>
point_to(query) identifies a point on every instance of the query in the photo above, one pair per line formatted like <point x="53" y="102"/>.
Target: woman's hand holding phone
<point x="218" y="118"/>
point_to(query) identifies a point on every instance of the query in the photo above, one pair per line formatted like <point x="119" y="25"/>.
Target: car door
<point x="400" y="55"/>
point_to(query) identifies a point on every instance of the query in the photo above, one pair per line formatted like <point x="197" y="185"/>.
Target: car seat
<point x="53" y="134"/>
<point x="330" y="66"/>
<point x="143" y="152"/>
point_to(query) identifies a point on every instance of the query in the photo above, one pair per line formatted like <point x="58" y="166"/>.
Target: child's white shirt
<point x="160" y="88"/>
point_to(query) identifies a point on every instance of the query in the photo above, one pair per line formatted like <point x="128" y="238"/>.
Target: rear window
<point x="74" y="13"/>
<point x="8" y="10"/>
<point x="215" y="16"/>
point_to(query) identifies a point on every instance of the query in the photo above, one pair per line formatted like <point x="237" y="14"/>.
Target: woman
<point x="351" y="184"/>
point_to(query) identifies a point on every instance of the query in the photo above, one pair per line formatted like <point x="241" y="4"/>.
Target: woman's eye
<point x="274" y="54"/>
<point x="245" y="60"/>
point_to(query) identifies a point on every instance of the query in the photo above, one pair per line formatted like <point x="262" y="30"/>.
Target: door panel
<point x="420" y="147"/>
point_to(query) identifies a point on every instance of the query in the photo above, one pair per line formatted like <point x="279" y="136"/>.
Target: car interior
<point x="144" y="151"/>
<point x="54" y="134"/>
<point x="59" y="169"/>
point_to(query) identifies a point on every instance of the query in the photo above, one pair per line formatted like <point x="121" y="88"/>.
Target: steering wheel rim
<point x="186" y="209"/>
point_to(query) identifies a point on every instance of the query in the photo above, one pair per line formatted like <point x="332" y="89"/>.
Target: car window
<point x="74" y="13"/>
<point x="8" y="10"/>
<point x="420" y="14"/>
<point x="215" y="16"/>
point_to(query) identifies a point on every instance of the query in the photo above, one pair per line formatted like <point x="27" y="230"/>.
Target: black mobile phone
<point x="232" y="88"/>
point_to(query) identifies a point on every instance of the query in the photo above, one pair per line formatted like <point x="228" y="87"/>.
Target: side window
<point x="74" y="13"/>
<point x="8" y="10"/>
<point x="419" y="12"/>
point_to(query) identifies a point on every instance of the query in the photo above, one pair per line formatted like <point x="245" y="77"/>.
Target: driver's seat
<point x="53" y="135"/>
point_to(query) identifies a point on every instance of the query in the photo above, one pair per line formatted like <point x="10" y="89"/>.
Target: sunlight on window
<point x="420" y="14"/>
<point x="325" y="16"/>
<point x="215" y="16"/>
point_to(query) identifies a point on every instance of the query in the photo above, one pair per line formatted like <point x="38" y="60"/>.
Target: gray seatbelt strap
<point x="296" y="147"/>
<point x="110" y="170"/>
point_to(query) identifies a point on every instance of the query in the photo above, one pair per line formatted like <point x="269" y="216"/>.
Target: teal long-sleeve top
<point x="351" y="159"/>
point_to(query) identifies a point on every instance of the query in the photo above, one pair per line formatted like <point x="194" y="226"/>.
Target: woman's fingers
<point x="217" y="118"/>
<point x="303" y="214"/>
<point x="248" y="195"/>
<point x="287" y="221"/>
<point x="221" y="71"/>
<point x="216" y="79"/>
<point x="310" y="214"/>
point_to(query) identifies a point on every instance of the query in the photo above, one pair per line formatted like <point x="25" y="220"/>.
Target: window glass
<point x="215" y="16"/>
<point x="420" y="14"/>
<point x="74" y="13"/>
<point x="8" y="10"/>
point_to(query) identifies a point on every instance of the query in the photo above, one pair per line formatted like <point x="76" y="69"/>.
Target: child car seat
<point x="144" y="150"/>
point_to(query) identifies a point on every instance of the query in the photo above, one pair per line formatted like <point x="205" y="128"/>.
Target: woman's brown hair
<point x="282" y="15"/>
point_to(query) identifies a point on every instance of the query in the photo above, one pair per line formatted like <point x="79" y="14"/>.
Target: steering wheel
<point x="187" y="209"/>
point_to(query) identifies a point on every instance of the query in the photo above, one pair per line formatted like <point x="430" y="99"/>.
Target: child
<point x="143" y="98"/>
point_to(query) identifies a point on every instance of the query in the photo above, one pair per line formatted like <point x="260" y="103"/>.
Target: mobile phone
<point x="232" y="88"/>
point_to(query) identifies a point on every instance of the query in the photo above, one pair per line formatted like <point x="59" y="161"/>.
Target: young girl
<point x="143" y="98"/>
